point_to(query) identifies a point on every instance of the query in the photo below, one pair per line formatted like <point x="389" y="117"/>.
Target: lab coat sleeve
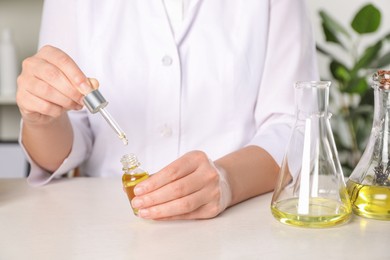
<point x="59" y="29"/>
<point x="290" y="57"/>
<point x="80" y="148"/>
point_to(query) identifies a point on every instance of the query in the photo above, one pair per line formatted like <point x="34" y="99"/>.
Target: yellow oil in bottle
<point x="370" y="201"/>
<point x="129" y="181"/>
<point x="322" y="213"/>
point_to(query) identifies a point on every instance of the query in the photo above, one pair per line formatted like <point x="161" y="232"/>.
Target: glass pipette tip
<point x="114" y="125"/>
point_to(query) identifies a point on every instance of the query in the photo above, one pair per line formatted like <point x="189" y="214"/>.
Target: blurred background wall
<point x="23" y="17"/>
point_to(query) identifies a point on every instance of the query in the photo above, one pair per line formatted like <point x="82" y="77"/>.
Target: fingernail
<point x="137" y="203"/>
<point x="94" y="83"/>
<point x="85" y="88"/>
<point x="138" y="190"/>
<point x="143" y="213"/>
<point x="79" y="107"/>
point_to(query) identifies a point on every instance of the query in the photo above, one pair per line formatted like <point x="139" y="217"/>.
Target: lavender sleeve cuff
<point x="39" y="176"/>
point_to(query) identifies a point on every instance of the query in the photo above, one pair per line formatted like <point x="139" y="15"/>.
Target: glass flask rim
<point x="380" y="80"/>
<point x="375" y="85"/>
<point x="320" y="84"/>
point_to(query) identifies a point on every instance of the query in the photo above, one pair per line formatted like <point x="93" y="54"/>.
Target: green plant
<point x="351" y="99"/>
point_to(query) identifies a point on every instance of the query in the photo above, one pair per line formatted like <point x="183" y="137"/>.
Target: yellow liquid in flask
<point x="322" y="213"/>
<point x="370" y="201"/>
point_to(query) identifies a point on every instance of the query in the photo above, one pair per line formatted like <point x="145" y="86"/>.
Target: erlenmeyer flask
<point x="311" y="191"/>
<point x="369" y="183"/>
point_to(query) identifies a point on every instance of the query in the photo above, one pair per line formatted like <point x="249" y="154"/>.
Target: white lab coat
<point x="224" y="81"/>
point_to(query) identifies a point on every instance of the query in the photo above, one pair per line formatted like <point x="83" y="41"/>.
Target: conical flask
<point x="369" y="183"/>
<point x="311" y="191"/>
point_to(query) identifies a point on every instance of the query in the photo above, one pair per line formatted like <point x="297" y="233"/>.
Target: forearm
<point x="250" y="171"/>
<point x="49" y="144"/>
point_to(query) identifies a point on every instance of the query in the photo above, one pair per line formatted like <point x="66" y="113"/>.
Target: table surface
<point x="91" y="218"/>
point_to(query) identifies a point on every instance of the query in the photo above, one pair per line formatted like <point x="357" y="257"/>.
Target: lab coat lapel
<point x="192" y="12"/>
<point x="164" y="19"/>
<point x="193" y="9"/>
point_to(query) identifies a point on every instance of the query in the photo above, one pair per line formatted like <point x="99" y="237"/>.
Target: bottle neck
<point x="127" y="170"/>
<point x="129" y="162"/>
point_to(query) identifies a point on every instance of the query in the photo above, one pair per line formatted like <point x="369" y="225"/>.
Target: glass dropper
<point x="95" y="102"/>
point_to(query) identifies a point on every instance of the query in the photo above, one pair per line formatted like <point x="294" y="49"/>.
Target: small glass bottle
<point x="369" y="183"/>
<point x="132" y="175"/>
<point x="311" y="191"/>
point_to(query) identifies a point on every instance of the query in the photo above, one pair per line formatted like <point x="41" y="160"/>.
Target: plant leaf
<point x="325" y="52"/>
<point x="340" y="72"/>
<point x="332" y="29"/>
<point x="322" y="50"/>
<point x="367" y="20"/>
<point x="383" y="61"/>
<point x="367" y="99"/>
<point x="369" y="55"/>
<point x="357" y="85"/>
<point x="362" y="129"/>
<point x="330" y="36"/>
<point x="362" y="110"/>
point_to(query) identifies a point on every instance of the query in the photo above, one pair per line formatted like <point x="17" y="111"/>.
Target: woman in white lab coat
<point x="203" y="90"/>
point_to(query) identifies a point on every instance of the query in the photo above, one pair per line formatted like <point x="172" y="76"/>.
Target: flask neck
<point x="381" y="86"/>
<point x="312" y="98"/>
<point x="381" y="104"/>
<point x="381" y="126"/>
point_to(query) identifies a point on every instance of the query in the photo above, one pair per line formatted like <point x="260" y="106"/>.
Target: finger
<point x="181" y="167"/>
<point x="53" y="76"/>
<point x="207" y="211"/>
<point x="176" y="207"/>
<point x="66" y="64"/>
<point x="177" y="189"/>
<point x="46" y="92"/>
<point x="33" y="104"/>
<point x="94" y="83"/>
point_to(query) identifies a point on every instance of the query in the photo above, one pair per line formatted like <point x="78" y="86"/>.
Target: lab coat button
<point x="166" y="131"/>
<point x="167" y="60"/>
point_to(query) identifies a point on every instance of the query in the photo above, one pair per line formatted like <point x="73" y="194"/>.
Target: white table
<point x="90" y="218"/>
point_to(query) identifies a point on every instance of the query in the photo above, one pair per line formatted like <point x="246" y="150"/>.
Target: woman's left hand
<point x="192" y="187"/>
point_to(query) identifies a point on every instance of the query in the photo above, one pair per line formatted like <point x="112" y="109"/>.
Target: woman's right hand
<point x="50" y="84"/>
